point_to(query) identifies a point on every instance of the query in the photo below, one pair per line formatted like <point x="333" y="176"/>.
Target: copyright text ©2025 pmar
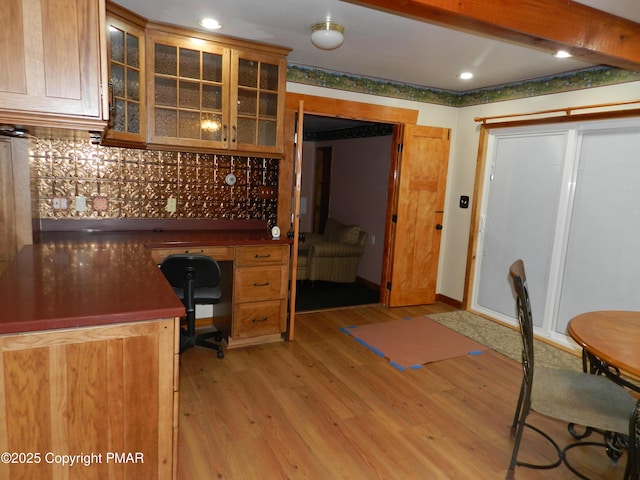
<point x="70" y="460"/>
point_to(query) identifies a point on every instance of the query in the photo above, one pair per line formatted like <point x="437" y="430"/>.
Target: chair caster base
<point x="189" y="341"/>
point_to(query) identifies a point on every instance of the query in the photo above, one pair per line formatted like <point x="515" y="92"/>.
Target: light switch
<point x="81" y="204"/>
<point x="171" y="205"/>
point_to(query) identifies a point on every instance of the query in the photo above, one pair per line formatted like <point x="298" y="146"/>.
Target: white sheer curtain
<point x="520" y="217"/>
<point x="566" y="200"/>
<point x="602" y="259"/>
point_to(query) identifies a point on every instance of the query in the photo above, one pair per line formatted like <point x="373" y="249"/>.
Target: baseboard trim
<point x="449" y="301"/>
<point x="368" y="283"/>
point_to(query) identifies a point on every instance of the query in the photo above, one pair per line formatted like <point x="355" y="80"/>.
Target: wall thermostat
<point x="230" y="179"/>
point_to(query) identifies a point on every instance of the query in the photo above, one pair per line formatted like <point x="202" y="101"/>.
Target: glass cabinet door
<point x="189" y="94"/>
<point x="259" y="82"/>
<point x="126" y="81"/>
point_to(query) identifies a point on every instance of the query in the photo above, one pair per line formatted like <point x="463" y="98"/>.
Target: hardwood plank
<point x="323" y="406"/>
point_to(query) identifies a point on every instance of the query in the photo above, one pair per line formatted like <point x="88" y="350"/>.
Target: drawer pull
<point x="262" y="256"/>
<point x="260" y="320"/>
<point x="261" y="284"/>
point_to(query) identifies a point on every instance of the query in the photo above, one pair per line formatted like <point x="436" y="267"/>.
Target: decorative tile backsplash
<point x="77" y="179"/>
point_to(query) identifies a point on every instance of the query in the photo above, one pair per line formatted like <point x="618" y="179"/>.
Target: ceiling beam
<point x="589" y="34"/>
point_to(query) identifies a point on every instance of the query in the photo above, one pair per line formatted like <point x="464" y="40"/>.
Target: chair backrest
<point x="519" y="279"/>
<point x="188" y="271"/>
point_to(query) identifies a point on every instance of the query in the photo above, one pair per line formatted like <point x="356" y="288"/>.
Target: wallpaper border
<point x="564" y="82"/>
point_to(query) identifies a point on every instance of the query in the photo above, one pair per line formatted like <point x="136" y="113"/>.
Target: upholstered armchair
<point x="332" y="256"/>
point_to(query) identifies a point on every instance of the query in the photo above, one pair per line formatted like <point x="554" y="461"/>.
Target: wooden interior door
<point x="415" y="226"/>
<point x="293" y="152"/>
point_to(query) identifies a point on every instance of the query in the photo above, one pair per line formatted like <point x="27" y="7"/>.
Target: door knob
<point x="438" y="227"/>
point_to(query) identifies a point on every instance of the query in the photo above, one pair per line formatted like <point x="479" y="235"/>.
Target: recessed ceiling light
<point x="210" y="24"/>
<point x="562" y="54"/>
<point x="465" y="76"/>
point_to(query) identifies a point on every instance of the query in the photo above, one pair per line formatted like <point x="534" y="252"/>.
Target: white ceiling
<point x="377" y="44"/>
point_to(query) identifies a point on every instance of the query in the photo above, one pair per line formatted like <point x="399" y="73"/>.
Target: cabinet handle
<point x="224" y="133"/>
<point x="235" y="132"/>
<point x="260" y="320"/>
<point x="262" y="256"/>
<point x="260" y="284"/>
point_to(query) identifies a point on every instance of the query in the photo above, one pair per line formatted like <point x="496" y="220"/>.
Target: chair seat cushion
<point x="582" y="398"/>
<point x="202" y="295"/>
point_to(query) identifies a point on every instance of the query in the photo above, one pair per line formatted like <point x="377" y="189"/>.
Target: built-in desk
<point x="254" y="283"/>
<point x="89" y="340"/>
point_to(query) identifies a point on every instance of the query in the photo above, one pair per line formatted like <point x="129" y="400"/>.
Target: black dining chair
<point x="195" y="280"/>
<point x="577" y="398"/>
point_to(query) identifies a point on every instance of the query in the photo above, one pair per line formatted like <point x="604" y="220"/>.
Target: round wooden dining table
<point x="612" y="337"/>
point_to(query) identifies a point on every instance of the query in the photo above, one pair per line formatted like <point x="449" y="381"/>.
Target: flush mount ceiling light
<point x="327" y="35"/>
<point x="465" y="76"/>
<point x="210" y="24"/>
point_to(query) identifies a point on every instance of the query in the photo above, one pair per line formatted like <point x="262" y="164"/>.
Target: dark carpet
<point x="324" y="295"/>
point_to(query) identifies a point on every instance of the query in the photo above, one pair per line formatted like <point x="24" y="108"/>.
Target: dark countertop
<point x="79" y="279"/>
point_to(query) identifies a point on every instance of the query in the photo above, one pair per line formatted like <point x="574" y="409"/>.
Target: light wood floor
<point x="324" y="407"/>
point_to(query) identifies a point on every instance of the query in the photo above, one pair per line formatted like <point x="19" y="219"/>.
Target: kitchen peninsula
<point x="89" y="340"/>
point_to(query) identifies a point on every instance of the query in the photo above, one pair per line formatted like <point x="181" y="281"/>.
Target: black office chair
<point x="195" y="280"/>
<point x="577" y="398"/>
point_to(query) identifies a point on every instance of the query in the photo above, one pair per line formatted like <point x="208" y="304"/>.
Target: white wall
<point x="359" y="183"/>
<point x="464" y="153"/>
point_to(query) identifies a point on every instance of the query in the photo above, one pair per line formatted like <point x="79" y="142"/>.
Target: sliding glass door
<point x="566" y="200"/>
<point x="602" y="262"/>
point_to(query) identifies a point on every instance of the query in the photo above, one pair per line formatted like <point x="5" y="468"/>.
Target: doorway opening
<point x="345" y="173"/>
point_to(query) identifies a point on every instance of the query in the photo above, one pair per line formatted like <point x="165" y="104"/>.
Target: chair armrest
<point x="310" y="239"/>
<point x="335" y="249"/>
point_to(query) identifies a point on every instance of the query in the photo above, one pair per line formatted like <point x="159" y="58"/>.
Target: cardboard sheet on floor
<point x="413" y="342"/>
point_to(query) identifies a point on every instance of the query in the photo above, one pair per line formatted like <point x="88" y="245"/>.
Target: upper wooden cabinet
<point x="127" y="95"/>
<point x="214" y="94"/>
<point x="53" y="61"/>
<point x="188" y="93"/>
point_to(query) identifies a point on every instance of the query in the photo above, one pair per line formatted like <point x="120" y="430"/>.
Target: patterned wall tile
<point x="132" y="183"/>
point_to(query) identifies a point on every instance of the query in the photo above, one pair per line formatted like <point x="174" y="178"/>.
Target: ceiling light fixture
<point x="327" y="35"/>
<point x="210" y="24"/>
<point x="562" y="54"/>
<point x="465" y="76"/>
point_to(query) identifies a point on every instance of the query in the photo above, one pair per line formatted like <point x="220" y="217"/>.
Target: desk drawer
<point x="258" y="318"/>
<point x="262" y="255"/>
<point x="254" y="284"/>
<point x="217" y="253"/>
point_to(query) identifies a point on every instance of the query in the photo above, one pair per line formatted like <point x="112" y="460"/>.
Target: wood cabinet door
<point x="127" y="93"/>
<point x="55" y="58"/>
<point x="187" y="92"/>
<point x="257" y="101"/>
<point x="415" y="234"/>
<point x="15" y="199"/>
<point x="96" y="392"/>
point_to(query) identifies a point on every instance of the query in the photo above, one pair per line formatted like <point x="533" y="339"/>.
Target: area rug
<point x="505" y="340"/>
<point x="412" y="342"/>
